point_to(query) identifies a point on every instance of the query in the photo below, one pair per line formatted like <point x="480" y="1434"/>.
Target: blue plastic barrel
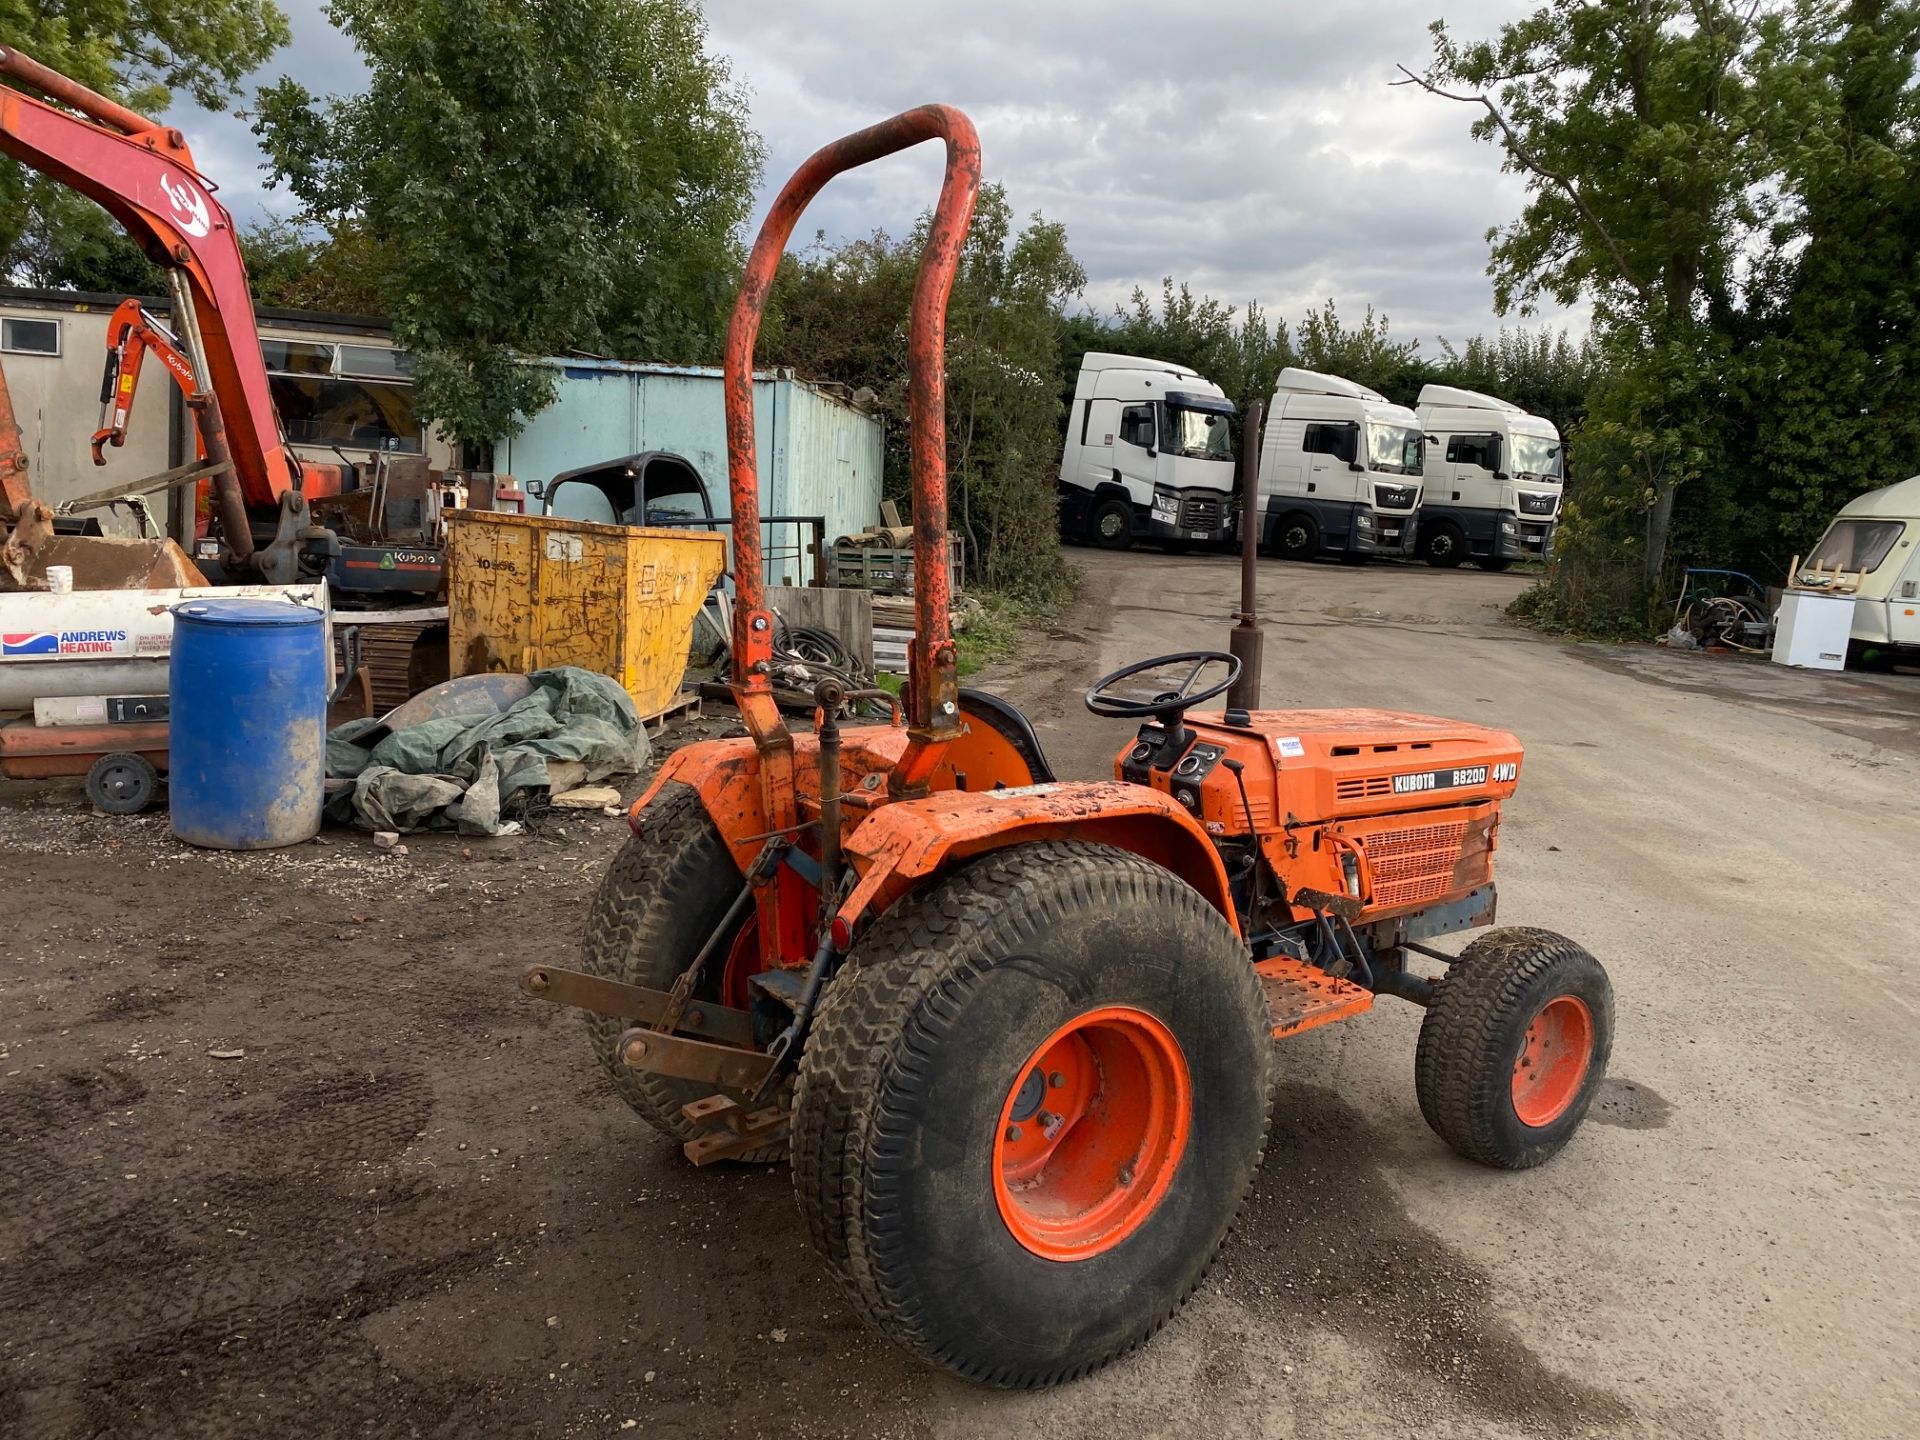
<point x="247" y="729"/>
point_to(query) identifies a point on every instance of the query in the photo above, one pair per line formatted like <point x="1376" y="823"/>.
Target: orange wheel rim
<point x="1091" y="1133"/>
<point x="743" y="963"/>
<point x="1554" y="1059"/>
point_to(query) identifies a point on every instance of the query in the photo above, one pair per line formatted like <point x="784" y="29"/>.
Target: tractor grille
<point x="1200" y="512"/>
<point x="1366" y="787"/>
<point x="1413" y="865"/>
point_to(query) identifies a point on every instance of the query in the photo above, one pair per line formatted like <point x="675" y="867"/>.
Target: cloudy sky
<point x="1251" y="148"/>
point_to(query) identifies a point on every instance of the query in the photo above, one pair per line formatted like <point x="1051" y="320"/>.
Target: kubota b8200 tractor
<point x="1015" y="1033"/>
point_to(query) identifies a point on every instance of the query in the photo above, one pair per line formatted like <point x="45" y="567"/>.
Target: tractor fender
<point x="909" y="841"/>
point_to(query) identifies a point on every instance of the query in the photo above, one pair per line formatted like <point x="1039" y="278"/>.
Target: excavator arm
<point x="142" y="173"/>
<point x="130" y="334"/>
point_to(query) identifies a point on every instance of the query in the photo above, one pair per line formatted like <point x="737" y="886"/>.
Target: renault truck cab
<point x="1148" y="456"/>
<point x="1493" y="480"/>
<point x="1339" y="470"/>
<point x="1872" y="549"/>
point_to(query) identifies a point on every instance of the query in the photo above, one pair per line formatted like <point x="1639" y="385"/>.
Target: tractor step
<point x="1301" y="996"/>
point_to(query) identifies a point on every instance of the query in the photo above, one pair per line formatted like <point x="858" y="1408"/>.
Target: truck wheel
<point x="1110" y="525"/>
<point x="1031" y="1106"/>
<point x="1513" y="1046"/>
<point x="1443" y="547"/>
<point x="665" y="892"/>
<point x="122" y="783"/>
<point x="1297" y="537"/>
<point x="1494" y="563"/>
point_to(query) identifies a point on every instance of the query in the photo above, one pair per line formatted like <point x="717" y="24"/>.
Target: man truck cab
<point x="1149" y="455"/>
<point x="1339" y="470"/>
<point x="1493" y="479"/>
<point x="1873" y="545"/>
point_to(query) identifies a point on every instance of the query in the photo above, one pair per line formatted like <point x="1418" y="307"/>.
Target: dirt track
<point x="414" y="1207"/>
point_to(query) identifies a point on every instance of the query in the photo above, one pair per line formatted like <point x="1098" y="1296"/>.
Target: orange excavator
<point x="131" y="333"/>
<point x="143" y="175"/>
<point x="1015" y="1033"/>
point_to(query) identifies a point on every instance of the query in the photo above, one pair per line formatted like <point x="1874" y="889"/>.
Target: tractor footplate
<point x="634" y="1002"/>
<point x="744" y="1130"/>
<point x="1301" y="996"/>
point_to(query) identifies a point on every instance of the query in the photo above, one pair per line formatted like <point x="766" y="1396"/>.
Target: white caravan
<point x="1339" y="470"/>
<point x="1874" y="545"/>
<point x="1493" y="477"/>
<point x="1148" y="455"/>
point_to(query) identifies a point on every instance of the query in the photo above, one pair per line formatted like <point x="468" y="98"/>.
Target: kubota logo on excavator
<point x="189" y="206"/>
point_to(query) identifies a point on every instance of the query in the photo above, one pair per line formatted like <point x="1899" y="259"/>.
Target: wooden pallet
<point x="685" y="706"/>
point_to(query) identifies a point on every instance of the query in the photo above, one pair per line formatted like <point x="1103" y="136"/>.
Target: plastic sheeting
<point x="471" y="773"/>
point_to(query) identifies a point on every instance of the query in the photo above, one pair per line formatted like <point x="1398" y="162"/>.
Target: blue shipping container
<point x="817" y="454"/>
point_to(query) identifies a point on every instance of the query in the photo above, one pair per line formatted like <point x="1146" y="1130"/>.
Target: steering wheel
<point x="1169" y="704"/>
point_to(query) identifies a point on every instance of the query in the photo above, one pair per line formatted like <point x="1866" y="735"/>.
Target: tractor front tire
<point x="1030" y="1108"/>
<point x="1513" y="1047"/>
<point x="664" y="894"/>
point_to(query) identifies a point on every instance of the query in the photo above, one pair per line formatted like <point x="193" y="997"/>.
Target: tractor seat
<point x="1006" y="720"/>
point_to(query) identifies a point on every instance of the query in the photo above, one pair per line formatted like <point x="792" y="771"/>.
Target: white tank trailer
<point x="104" y="642"/>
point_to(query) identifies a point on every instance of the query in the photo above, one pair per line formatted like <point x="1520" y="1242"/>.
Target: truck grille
<point x="1200" y="512"/>
<point x="1413" y="865"/>
<point x="1538" y="504"/>
<point x="1394" y="497"/>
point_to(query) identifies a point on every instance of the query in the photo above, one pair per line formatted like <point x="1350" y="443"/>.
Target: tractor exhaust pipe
<point x="1246" y="639"/>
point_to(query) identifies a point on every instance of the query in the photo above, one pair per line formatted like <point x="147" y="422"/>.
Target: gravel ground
<point x="282" y="1148"/>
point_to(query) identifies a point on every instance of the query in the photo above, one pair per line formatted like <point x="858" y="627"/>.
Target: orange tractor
<point x="1015" y="1034"/>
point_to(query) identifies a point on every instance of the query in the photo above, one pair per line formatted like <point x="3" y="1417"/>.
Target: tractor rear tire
<point x="1513" y="1047"/>
<point x="663" y="895"/>
<point x="966" y="1219"/>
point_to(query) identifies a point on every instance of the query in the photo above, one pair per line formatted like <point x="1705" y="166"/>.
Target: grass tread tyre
<point x="876" y="1053"/>
<point x="1472" y="1035"/>
<point x="662" y="896"/>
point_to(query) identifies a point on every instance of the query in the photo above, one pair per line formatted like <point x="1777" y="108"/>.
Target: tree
<point x="537" y="177"/>
<point x="1835" y="359"/>
<point x="140" y="54"/>
<point x="1636" y="125"/>
<point x="1243" y="359"/>
<point x="839" y="313"/>
<point x="1362" y="354"/>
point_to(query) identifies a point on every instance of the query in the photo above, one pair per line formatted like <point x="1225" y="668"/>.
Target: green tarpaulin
<point x="468" y="772"/>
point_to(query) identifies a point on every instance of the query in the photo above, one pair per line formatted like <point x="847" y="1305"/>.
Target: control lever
<point x="1253" y="835"/>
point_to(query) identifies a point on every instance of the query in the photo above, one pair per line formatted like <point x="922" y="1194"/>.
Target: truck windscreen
<point x="1393" y="448"/>
<point x="1198" y="435"/>
<point x="1537" y="456"/>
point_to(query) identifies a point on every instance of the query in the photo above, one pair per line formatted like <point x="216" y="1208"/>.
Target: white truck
<point x="1148" y="455"/>
<point x="1339" y="470"/>
<point x="1493" y="480"/>
<point x="1872" y="550"/>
